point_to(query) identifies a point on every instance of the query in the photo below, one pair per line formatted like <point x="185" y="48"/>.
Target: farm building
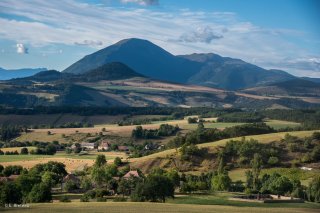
<point x="10" y="178"/>
<point x="123" y="148"/>
<point x="105" y="145"/>
<point x="89" y="146"/>
<point x="133" y="173"/>
<point x="71" y="177"/>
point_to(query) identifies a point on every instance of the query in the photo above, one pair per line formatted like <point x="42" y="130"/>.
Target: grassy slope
<point x="265" y="138"/>
<point x="292" y="173"/>
<point x="128" y="207"/>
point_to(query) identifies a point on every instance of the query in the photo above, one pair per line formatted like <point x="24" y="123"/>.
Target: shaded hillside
<point x="110" y="71"/>
<point x="229" y="73"/>
<point x="294" y="87"/>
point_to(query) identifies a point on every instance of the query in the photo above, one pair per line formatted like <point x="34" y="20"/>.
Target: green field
<point x="277" y="124"/>
<point x="129" y="207"/>
<point x="218" y="125"/>
<point x="222" y="198"/>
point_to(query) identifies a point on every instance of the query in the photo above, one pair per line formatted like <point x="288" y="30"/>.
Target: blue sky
<point x="281" y="34"/>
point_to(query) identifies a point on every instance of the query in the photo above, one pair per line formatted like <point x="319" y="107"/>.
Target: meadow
<point x="130" y="207"/>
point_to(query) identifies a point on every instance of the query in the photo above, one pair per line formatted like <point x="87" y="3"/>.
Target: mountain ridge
<point x="6" y="74"/>
<point x="155" y="62"/>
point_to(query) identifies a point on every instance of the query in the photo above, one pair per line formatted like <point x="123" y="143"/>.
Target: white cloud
<point x="21" y="49"/>
<point x="69" y="22"/>
<point x="201" y="34"/>
<point x="142" y="2"/>
<point x="89" y="43"/>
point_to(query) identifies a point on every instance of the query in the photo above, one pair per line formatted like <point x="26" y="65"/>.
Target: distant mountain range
<point x="116" y="84"/>
<point x="18" y="73"/>
<point x="201" y="69"/>
<point x="135" y="72"/>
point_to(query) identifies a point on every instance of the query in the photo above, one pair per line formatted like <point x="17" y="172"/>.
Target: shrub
<point x="120" y="199"/>
<point x="192" y="120"/>
<point x="90" y="194"/>
<point x="273" y="161"/>
<point x="85" y="198"/>
<point x="101" y="199"/>
<point x="70" y="186"/>
<point x="24" y="151"/>
<point x="65" y="199"/>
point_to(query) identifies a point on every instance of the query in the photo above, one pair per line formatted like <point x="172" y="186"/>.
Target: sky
<point x="273" y="34"/>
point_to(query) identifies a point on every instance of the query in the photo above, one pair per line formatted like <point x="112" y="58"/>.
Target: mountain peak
<point x="133" y="41"/>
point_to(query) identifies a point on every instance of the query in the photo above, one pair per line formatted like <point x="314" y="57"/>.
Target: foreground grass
<point x="222" y="199"/>
<point x="129" y="207"/>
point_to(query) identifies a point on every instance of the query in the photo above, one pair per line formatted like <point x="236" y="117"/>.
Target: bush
<point x="40" y="193"/>
<point x="90" y="194"/>
<point x="101" y="192"/>
<point x="101" y="199"/>
<point x="85" y="198"/>
<point x="24" y="151"/>
<point x="273" y="161"/>
<point x="70" y="186"/>
<point x="192" y="120"/>
<point x="120" y="199"/>
<point x="65" y="199"/>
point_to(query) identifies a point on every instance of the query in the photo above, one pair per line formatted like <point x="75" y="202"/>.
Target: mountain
<point x="117" y="85"/>
<point x="316" y="80"/>
<point x="295" y="87"/>
<point x="142" y="56"/>
<point x="230" y="73"/>
<point x="152" y="61"/>
<point x="18" y="73"/>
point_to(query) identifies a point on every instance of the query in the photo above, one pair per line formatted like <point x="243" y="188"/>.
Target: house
<point x="306" y="168"/>
<point x="150" y="146"/>
<point x="70" y="177"/>
<point x="89" y="146"/>
<point x="133" y="173"/>
<point x="104" y="146"/>
<point x="10" y="178"/>
<point x="123" y="148"/>
<point x="13" y="177"/>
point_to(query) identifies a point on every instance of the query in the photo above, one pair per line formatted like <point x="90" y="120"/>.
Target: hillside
<point x="152" y="61"/>
<point x="170" y="158"/>
<point x="294" y="87"/>
<point x="229" y="73"/>
<point x="110" y="71"/>
<point x="115" y="84"/>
